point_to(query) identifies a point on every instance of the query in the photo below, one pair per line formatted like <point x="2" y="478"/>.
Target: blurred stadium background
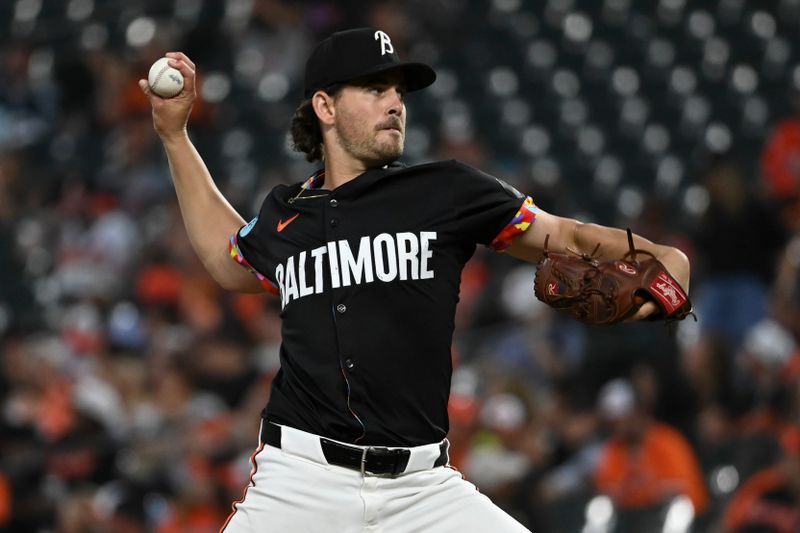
<point x="131" y="385"/>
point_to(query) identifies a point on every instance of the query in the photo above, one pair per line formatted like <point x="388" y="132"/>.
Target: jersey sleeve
<point x="247" y="247"/>
<point x="490" y="211"/>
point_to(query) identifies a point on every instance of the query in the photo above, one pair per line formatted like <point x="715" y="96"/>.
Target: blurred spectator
<point x="710" y="366"/>
<point x="780" y="160"/>
<point x="767" y="352"/>
<point x="740" y="237"/>
<point x="769" y="502"/>
<point x="645" y="464"/>
<point x="499" y="457"/>
<point x="563" y="483"/>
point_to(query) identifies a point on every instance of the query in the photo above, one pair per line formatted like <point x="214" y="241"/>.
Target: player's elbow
<point x="248" y="285"/>
<point x="231" y="276"/>
<point x="238" y="280"/>
<point x="226" y="283"/>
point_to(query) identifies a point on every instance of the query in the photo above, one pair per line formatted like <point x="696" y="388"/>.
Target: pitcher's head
<point x="354" y="88"/>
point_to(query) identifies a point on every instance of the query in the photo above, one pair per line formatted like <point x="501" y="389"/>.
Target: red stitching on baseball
<point x="158" y="77"/>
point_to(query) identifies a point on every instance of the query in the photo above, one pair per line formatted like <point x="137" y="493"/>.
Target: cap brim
<point x="416" y="76"/>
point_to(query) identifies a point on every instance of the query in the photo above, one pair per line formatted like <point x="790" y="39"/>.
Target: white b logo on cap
<point x="386" y="43"/>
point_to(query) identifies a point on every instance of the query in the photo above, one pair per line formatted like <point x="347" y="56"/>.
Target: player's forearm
<point x="209" y="219"/>
<point x="614" y="244"/>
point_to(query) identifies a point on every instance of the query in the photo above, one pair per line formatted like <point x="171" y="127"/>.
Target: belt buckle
<point x="376" y="450"/>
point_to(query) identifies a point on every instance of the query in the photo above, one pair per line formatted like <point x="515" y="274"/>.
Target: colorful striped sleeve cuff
<point x="517" y="226"/>
<point x="236" y="255"/>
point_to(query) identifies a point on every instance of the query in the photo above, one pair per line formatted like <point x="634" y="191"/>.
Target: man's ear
<point x="323" y="105"/>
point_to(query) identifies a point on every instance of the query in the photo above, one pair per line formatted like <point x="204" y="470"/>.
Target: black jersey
<point x="368" y="275"/>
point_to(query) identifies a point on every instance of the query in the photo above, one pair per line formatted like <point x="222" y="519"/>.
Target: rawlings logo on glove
<point x="611" y="291"/>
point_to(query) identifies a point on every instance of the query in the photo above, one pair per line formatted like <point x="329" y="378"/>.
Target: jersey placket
<point x="334" y="214"/>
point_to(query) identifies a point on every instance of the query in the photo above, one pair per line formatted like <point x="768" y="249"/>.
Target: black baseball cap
<point x="351" y="54"/>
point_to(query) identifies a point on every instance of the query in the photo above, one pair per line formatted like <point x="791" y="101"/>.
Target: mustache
<point x="390" y="123"/>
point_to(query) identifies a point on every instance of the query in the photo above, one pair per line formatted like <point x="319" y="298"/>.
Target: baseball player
<point x="366" y="256"/>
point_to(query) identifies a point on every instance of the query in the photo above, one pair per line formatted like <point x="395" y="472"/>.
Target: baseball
<point x="164" y="80"/>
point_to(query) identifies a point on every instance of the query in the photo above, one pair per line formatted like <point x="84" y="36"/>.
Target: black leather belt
<point x="374" y="460"/>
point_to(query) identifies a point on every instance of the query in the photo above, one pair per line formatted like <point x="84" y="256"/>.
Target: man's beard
<point x="365" y="146"/>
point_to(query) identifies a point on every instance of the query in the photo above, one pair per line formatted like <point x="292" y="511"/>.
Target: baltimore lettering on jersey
<point x="385" y="257"/>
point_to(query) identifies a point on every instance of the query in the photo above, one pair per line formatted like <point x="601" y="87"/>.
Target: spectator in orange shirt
<point x="780" y="166"/>
<point x="645" y="463"/>
<point x="769" y="502"/>
<point x="780" y="160"/>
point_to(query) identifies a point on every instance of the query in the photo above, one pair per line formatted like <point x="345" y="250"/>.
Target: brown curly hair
<point x="304" y="128"/>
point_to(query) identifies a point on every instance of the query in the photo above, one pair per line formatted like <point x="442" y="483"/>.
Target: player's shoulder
<point x="443" y="168"/>
<point x="440" y="165"/>
<point x="463" y="171"/>
<point x="464" y="177"/>
<point x="428" y="177"/>
<point x="474" y="178"/>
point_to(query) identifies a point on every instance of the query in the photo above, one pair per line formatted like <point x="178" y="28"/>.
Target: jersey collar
<point x="317" y="179"/>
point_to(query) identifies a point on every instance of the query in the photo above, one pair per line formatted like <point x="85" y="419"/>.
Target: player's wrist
<point x="174" y="137"/>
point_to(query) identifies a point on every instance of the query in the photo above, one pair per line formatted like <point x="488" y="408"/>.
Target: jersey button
<point x="334" y="222"/>
<point x="341" y="308"/>
<point x="349" y="364"/>
<point x="334" y="202"/>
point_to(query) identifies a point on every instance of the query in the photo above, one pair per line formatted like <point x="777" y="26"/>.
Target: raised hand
<point x="170" y="115"/>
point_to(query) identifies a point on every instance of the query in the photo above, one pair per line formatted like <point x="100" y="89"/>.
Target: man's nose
<point x="395" y="102"/>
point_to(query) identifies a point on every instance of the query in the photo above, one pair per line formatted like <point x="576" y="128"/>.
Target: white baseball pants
<point x="294" y="490"/>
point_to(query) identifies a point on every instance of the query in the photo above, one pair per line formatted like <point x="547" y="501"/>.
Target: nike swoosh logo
<point x="282" y="224"/>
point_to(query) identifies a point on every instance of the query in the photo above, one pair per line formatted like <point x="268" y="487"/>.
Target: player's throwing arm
<point x="207" y="215"/>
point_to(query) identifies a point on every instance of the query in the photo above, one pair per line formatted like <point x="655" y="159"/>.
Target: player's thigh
<point x="288" y="493"/>
<point x="443" y="502"/>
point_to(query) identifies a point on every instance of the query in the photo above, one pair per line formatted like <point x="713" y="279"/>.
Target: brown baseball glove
<point x="608" y="292"/>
